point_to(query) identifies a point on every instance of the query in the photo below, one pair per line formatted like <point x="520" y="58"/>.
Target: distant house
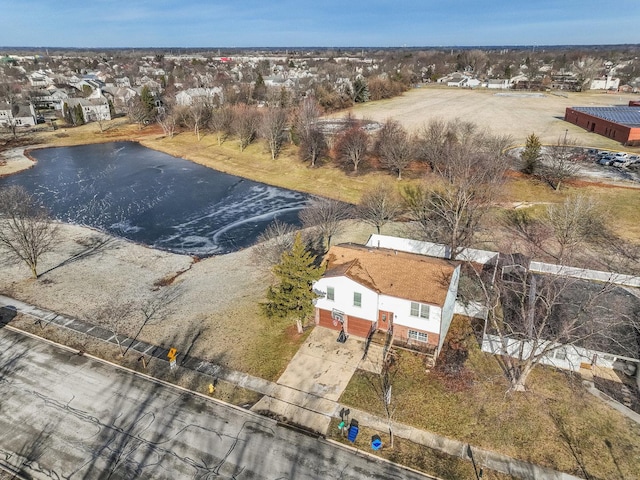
<point x="605" y="83"/>
<point x="122" y="82"/>
<point x="498" y="84"/>
<point x="39" y="79"/>
<point x="121" y="97"/>
<point x="22" y="115"/>
<point x="409" y="296"/>
<point x="191" y="95"/>
<point x="93" y="109"/>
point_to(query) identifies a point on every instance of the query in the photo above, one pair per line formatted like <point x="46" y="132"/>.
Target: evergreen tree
<point x="360" y="93"/>
<point x="148" y="101"/>
<point x="531" y="154"/>
<point x="292" y="297"/>
<point x="68" y="115"/>
<point x="259" y="89"/>
<point x="79" y="115"/>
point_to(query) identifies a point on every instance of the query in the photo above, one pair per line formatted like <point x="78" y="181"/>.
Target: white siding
<point x="401" y="309"/>
<point x="344" y="289"/>
<point x="449" y="306"/>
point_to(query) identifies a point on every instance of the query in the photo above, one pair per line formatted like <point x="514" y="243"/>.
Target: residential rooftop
<point x="395" y="273"/>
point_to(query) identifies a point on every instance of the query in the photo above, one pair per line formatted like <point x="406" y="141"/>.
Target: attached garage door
<point x="358" y="326"/>
<point x="325" y="320"/>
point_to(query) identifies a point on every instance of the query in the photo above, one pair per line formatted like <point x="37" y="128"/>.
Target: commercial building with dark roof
<point x="620" y="123"/>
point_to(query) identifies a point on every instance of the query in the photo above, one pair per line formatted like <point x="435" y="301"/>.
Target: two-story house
<point x="367" y="289"/>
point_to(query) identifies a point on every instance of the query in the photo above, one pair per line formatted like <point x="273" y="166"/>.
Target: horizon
<point x="4" y="48"/>
<point x="167" y="24"/>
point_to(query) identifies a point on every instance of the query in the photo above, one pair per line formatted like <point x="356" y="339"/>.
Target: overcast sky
<point x="323" y="23"/>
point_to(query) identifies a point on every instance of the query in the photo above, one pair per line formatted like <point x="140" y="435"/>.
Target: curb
<point x="140" y="374"/>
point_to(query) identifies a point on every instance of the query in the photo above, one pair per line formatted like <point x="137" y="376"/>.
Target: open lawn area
<point x="556" y="423"/>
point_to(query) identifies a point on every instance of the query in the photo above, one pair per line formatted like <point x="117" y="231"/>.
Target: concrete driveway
<point x="308" y="391"/>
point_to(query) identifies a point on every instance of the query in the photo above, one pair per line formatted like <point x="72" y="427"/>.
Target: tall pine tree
<point x="292" y="298"/>
<point x="531" y="154"/>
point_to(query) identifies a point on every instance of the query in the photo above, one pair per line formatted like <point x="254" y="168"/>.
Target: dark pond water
<point x="153" y="198"/>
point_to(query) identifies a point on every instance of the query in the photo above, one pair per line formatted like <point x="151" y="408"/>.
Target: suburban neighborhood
<point x="275" y="263"/>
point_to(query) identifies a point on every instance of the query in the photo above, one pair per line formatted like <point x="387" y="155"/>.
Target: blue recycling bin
<point x="376" y="442"/>
<point x="353" y="431"/>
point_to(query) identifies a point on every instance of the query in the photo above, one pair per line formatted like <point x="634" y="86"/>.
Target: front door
<point x="385" y="319"/>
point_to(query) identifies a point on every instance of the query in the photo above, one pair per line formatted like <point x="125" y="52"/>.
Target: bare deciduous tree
<point x="117" y="317"/>
<point x="564" y="232"/>
<point x="306" y="117"/>
<point x="326" y="216"/>
<point x="559" y="162"/>
<point x="352" y="145"/>
<point x="156" y="308"/>
<point x="277" y="238"/>
<point x="168" y="123"/>
<point x="273" y="127"/>
<point x="306" y="132"/>
<point x="26" y="229"/>
<point x="469" y="170"/>
<point x="246" y="120"/>
<point x="198" y="115"/>
<point x="532" y="316"/>
<point x="313" y="146"/>
<point x="221" y="122"/>
<point x="394" y="146"/>
<point x="379" y="205"/>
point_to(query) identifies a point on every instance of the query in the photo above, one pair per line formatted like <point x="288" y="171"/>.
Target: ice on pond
<point x="153" y="198"/>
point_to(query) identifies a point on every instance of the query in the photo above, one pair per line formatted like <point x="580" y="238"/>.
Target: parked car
<point x="606" y="160"/>
<point x="620" y="155"/>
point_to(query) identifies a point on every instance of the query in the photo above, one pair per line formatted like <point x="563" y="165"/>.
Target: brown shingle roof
<point x="398" y="274"/>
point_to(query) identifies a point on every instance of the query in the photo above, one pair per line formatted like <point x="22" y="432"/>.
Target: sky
<point x="319" y="23"/>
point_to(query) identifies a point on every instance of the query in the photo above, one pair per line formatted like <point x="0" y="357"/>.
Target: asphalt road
<point x="73" y="417"/>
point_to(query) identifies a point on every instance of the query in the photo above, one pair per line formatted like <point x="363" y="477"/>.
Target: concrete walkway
<point x="313" y="404"/>
<point x="308" y="390"/>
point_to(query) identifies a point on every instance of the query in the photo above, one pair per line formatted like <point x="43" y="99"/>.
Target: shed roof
<point x="624" y="115"/>
<point x="390" y="272"/>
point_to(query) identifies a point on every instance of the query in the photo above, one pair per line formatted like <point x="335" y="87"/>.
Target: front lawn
<point x="556" y="423"/>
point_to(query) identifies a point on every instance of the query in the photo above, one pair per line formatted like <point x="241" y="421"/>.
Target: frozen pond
<point x="153" y="198"/>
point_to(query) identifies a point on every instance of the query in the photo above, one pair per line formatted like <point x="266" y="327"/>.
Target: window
<point x="561" y="354"/>
<point x="331" y="294"/>
<point x="419" y="310"/>
<point x="357" y="299"/>
<point x="417" y="336"/>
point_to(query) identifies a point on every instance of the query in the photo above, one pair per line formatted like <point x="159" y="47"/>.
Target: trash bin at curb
<point x="376" y="442"/>
<point x="353" y="431"/>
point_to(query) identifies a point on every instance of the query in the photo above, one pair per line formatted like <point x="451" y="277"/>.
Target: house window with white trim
<point x="419" y="310"/>
<point x="357" y="299"/>
<point x="331" y="294"/>
<point x="417" y="336"/>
